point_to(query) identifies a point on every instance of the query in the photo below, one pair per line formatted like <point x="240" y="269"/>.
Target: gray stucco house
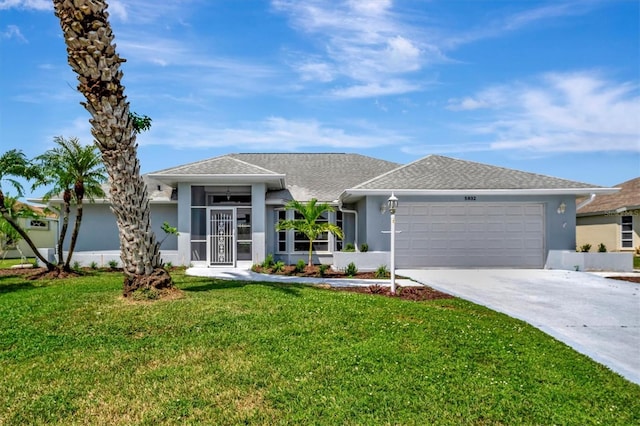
<point x="452" y="213"/>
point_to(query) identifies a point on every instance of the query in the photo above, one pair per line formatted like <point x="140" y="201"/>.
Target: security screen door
<point x="221" y="236"/>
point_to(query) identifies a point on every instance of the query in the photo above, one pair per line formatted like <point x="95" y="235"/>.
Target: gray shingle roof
<point x="628" y="197"/>
<point x="319" y="175"/>
<point x="226" y="165"/>
<point x="436" y="172"/>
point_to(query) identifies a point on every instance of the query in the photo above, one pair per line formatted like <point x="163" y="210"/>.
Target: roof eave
<point x="620" y="211"/>
<point x="352" y="193"/>
<point x="172" y="179"/>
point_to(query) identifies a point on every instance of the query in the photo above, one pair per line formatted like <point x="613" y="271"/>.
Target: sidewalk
<point x="248" y="275"/>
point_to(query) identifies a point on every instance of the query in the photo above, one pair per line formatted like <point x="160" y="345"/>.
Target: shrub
<point x="349" y="247"/>
<point x="351" y="269"/>
<point x="322" y="269"/>
<point x="376" y="289"/>
<point x="602" y="248"/>
<point x="585" y="248"/>
<point x="76" y="266"/>
<point x="268" y="261"/>
<point x="93" y="265"/>
<point x="364" y="247"/>
<point x="168" y="266"/>
<point x="300" y="265"/>
<point x="256" y="267"/>
<point x="382" y="272"/>
<point x="278" y="266"/>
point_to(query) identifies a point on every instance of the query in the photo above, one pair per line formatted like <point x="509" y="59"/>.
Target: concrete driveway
<point x="596" y="316"/>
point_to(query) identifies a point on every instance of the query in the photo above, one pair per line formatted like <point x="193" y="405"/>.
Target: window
<point x="320" y="244"/>
<point x="39" y="224"/>
<point x="626" y="232"/>
<point x="282" y="235"/>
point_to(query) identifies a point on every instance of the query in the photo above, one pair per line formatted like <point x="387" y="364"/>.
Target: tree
<point x="308" y="224"/>
<point x="77" y="172"/>
<point x="13" y="166"/>
<point x="92" y="56"/>
<point x="9" y="237"/>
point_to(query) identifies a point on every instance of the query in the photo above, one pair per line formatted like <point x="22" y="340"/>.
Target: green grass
<point x="73" y="352"/>
<point x="8" y="263"/>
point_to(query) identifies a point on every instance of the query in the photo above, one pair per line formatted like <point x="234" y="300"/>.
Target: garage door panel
<point x="472" y="235"/>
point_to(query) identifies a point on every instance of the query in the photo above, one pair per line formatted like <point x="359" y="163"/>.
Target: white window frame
<point x="39" y="224"/>
<point x="298" y="238"/>
<point x="626" y="235"/>
<point x="281" y="236"/>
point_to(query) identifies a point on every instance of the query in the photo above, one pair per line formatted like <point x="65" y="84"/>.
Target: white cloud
<point x="13" y="32"/>
<point x="26" y="4"/>
<point x="271" y="134"/>
<point x="511" y="22"/>
<point x="118" y="10"/>
<point x="560" y="112"/>
<point x="391" y="87"/>
<point x="315" y="71"/>
<point x="364" y="45"/>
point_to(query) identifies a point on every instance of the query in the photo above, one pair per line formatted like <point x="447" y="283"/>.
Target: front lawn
<point x="73" y="351"/>
<point x="8" y="263"/>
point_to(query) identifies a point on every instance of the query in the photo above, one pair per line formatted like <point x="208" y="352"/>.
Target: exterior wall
<point x="572" y="261"/>
<point x="99" y="230"/>
<point x="258" y="222"/>
<point x="606" y="229"/>
<point x="41" y="238"/>
<point x="184" y="223"/>
<point x="598" y="229"/>
<point x="560" y="228"/>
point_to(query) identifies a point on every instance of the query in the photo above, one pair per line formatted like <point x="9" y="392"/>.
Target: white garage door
<point x="470" y="235"/>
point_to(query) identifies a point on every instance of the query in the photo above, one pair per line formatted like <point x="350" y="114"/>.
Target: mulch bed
<point x="630" y="279"/>
<point x="405" y="293"/>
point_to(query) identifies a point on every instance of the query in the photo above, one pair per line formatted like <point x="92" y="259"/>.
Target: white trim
<point x="446" y="192"/>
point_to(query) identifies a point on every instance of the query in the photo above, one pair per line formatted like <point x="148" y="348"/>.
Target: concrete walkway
<point x="596" y="316"/>
<point x="247" y="275"/>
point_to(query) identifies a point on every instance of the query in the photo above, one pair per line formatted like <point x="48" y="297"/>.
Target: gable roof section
<point x="438" y="174"/>
<point x="300" y="176"/>
<point x="323" y="176"/>
<point x="226" y="165"/>
<point x="628" y="199"/>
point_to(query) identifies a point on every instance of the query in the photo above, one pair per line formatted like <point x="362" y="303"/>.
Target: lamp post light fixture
<point x="392" y="204"/>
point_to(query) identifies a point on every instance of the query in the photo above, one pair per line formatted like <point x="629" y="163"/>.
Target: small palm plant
<point x="309" y="223"/>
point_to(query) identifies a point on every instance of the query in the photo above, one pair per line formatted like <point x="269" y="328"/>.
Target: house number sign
<point x="470" y="198"/>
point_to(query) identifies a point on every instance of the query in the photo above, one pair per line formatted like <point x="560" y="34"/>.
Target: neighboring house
<point x="42" y="231"/>
<point x="612" y="220"/>
<point x="452" y="213"/>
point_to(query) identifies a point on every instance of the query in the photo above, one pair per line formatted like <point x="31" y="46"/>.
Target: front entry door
<point x="221" y="248"/>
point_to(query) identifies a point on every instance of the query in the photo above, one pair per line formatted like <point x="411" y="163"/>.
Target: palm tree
<point x="308" y="224"/>
<point x="9" y="237"/>
<point x="77" y="172"/>
<point x="13" y="166"/>
<point x="92" y="56"/>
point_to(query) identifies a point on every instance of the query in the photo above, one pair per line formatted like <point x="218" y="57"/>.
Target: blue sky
<point x="550" y="87"/>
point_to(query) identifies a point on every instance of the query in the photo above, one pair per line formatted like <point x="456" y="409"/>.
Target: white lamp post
<point x="392" y="203"/>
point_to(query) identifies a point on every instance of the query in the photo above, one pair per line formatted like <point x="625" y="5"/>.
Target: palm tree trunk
<point x="74" y="234"/>
<point x="309" y="264"/>
<point x="7" y="216"/>
<point x="92" y="55"/>
<point x="63" y="231"/>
